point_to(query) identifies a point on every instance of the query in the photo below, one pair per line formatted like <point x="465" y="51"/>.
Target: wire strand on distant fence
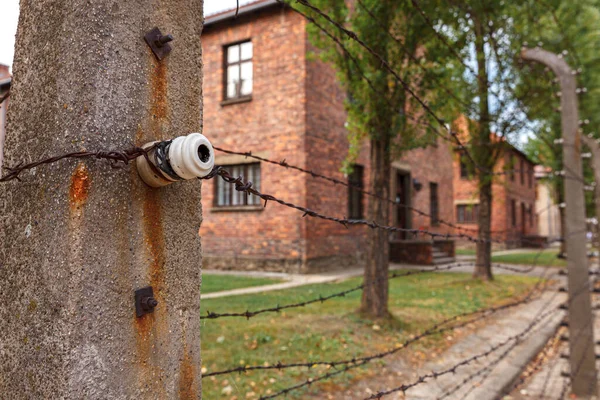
<point x="246" y="187"/>
<point x="540" y="315"/>
<point x="358" y="188"/>
<point x="434" y="375"/>
<point x="386" y="65"/>
<point x="321" y="299"/>
<point x="437" y="328"/>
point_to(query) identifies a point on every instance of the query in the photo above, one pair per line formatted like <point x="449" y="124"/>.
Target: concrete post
<point x="77" y="238"/>
<point x="581" y="333"/>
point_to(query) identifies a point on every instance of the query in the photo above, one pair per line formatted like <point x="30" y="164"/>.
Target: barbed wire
<point x="486" y="371"/>
<point x="385" y="64"/>
<point x="358" y="188"/>
<point x="451" y="370"/>
<point x="540" y="315"/>
<point x="115" y="156"/>
<point x="246" y="187"/>
<point x="321" y="299"/>
<point x="364" y="76"/>
<point x="435" y="329"/>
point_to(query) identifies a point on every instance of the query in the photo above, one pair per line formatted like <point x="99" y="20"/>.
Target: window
<point x="513" y="212"/>
<point x="513" y="165"/>
<point x="467" y="213"/>
<point x="227" y="196"/>
<point x="434" y="209"/>
<point x="522" y="172"/>
<point x="530" y="177"/>
<point x="355" y="196"/>
<point x="531" y="222"/>
<point x="238" y="71"/>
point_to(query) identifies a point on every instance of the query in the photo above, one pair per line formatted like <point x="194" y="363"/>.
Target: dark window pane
<point x="355" y="196"/>
<point x="467" y="213"/>
<point x="227" y="196"/>
<point x="434" y="203"/>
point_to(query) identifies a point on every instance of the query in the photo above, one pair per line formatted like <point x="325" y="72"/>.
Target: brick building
<point x="514" y="197"/>
<point x="5" y="80"/>
<point x="548" y="211"/>
<point x="263" y="93"/>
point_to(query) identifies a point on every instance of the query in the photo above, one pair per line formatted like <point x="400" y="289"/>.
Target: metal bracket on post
<point x="159" y="43"/>
<point x="144" y="301"/>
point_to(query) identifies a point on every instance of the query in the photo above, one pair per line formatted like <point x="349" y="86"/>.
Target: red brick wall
<point x="296" y="113"/>
<point x="326" y="148"/>
<point x="503" y="191"/>
<point x="523" y="194"/>
<point x="432" y="165"/>
<point x="272" y="124"/>
<point x="4" y="71"/>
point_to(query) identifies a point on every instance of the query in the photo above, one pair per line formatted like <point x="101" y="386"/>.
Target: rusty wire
<point x="385" y="64"/>
<point x="246" y="187"/>
<point x="433" y="375"/>
<point x="336" y="181"/>
<point x="451" y="370"/>
<point x="422" y="378"/>
<point x="321" y="299"/>
<point x="435" y="329"/>
<point x="125" y="156"/>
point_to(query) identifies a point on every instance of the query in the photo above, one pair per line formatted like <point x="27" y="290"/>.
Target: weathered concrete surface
<point x="76" y="238"/>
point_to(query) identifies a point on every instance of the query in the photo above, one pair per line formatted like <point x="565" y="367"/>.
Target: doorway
<point x="402" y="197"/>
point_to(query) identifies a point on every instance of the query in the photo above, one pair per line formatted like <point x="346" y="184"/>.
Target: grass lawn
<point x="465" y="252"/>
<point x="546" y="258"/>
<point x="333" y="330"/>
<point x="533" y="257"/>
<point x="217" y="283"/>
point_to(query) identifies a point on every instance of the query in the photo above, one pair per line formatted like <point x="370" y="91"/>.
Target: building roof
<point x="244" y="9"/>
<point x="5" y="83"/>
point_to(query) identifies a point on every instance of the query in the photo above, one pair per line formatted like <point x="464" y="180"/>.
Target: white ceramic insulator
<point x="191" y="156"/>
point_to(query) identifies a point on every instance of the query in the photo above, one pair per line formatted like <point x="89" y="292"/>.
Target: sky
<point x="10" y="15"/>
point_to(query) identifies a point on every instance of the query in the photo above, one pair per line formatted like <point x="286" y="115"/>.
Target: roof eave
<point x="5" y="83"/>
<point x="231" y="14"/>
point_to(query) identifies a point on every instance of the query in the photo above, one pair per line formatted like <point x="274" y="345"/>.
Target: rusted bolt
<point x="164" y="39"/>
<point x="144" y="301"/>
<point x="159" y="43"/>
<point x="149" y="303"/>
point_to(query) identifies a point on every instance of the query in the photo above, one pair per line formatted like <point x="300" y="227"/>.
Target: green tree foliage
<point x="381" y="111"/>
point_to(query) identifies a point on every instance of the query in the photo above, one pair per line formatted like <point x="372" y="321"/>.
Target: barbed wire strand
<point x="321" y="299"/>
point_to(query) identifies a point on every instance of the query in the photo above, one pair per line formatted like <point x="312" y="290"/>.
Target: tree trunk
<point x="484" y="157"/>
<point x="483" y="264"/>
<point x="375" y="296"/>
<point x="79" y="237"/>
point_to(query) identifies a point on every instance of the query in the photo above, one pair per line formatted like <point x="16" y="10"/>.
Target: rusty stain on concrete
<point x="158" y="91"/>
<point x="151" y="329"/>
<point x="80" y="186"/>
<point x="187" y="378"/>
<point x="154" y="239"/>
